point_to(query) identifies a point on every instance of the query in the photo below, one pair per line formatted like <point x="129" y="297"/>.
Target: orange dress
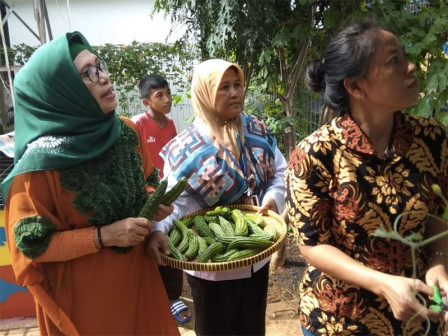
<point x="79" y="289"/>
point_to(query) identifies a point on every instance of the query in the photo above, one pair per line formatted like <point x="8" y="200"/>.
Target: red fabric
<point x="155" y="136"/>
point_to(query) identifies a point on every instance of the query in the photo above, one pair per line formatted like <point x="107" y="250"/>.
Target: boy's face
<point x="159" y="100"/>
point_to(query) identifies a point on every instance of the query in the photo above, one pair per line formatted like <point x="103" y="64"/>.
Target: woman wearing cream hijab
<point x="228" y="157"/>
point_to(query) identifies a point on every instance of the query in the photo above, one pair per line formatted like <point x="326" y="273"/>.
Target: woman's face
<point x="101" y="90"/>
<point x="390" y="83"/>
<point x="229" y="97"/>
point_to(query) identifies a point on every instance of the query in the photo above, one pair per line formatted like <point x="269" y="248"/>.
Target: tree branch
<point x="297" y="68"/>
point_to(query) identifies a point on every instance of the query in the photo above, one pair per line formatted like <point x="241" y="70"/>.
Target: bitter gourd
<point x="227" y="240"/>
<point x="256" y="218"/>
<point x="263" y="236"/>
<point x="249" y="242"/>
<point x="175" y="253"/>
<point x="188" y="221"/>
<point x="193" y="246"/>
<point x="211" y="219"/>
<point x="202" y="244"/>
<point x="254" y="228"/>
<point x="219" y="210"/>
<point x="224" y="257"/>
<point x="271" y="230"/>
<point x="180" y="226"/>
<point x="227" y="227"/>
<point x="151" y="204"/>
<point x="183" y="245"/>
<point x="175" y="236"/>
<point x="209" y="240"/>
<point x="170" y="196"/>
<point x="211" y="250"/>
<point x="246" y="253"/>
<point x="202" y="227"/>
<point x="241" y="228"/>
<point x="217" y="229"/>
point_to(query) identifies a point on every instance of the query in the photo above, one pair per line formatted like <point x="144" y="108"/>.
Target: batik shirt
<point x="339" y="192"/>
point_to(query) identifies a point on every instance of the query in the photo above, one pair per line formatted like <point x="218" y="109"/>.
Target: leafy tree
<point x="258" y="35"/>
<point x="423" y="36"/>
<point x="273" y="39"/>
<point x="128" y="64"/>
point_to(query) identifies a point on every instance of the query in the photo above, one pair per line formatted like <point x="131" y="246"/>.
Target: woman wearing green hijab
<point x="79" y="181"/>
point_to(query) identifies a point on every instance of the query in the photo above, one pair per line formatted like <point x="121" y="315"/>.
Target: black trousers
<point x="173" y="280"/>
<point x="230" y="307"/>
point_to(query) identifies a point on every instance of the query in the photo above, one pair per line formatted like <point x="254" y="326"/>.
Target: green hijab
<point x="57" y="122"/>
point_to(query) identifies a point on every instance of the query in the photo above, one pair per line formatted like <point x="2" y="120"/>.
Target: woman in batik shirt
<point x="228" y="157"/>
<point x="80" y="178"/>
<point x="358" y="173"/>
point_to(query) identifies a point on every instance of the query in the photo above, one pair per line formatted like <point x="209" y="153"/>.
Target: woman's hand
<point x="162" y="212"/>
<point x="127" y="232"/>
<point x="268" y="204"/>
<point x="157" y="244"/>
<point x="397" y="290"/>
<point x="400" y="294"/>
<point x="436" y="275"/>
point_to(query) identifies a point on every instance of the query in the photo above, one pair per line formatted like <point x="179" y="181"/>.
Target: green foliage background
<point x="266" y="37"/>
<point x="128" y="64"/>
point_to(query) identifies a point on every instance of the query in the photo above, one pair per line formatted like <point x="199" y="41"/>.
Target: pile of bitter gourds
<point x="220" y="235"/>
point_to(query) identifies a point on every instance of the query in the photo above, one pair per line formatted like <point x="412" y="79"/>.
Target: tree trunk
<point x="290" y="133"/>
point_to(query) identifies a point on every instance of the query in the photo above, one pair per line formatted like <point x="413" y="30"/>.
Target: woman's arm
<point x="274" y="199"/>
<point x="438" y="254"/>
<point x="398" y="291"/>
<point x="438" y="249"/>
<point x="43" y="226"/>
<point x="310" y="216"/>
<point x="35" y="205"/>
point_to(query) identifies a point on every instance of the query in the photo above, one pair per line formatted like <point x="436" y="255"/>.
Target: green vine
<point x="416" y="240"/>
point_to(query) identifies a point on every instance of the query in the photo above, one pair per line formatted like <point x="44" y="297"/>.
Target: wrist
<point x="99" y="239"/>
<point x="380" y="283"/>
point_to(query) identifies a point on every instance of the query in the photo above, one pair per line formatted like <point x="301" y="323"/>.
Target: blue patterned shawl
<point x="214" y="178"/>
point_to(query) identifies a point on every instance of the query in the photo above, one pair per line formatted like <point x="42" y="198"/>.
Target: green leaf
<point x="443" y="118"/>
<point x="425" y="108"/>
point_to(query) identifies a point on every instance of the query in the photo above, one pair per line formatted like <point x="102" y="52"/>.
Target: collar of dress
<point x="354" y="138"/>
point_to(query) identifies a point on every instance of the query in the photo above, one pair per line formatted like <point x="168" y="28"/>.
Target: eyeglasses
<point x="92" y="72"/>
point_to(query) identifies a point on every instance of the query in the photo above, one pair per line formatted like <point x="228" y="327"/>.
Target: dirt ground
<point x="284" y="281"/>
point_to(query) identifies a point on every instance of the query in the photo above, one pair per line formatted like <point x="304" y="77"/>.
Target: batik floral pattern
<point x="339" y="192"/>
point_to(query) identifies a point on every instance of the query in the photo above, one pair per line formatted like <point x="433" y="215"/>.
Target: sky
<point x="101" y="21"/>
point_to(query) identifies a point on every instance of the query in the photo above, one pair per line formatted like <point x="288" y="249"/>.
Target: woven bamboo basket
<point x="271" y="218"/>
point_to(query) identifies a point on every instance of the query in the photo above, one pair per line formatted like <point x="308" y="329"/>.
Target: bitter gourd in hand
<point x="153" y="201"/>
<point x="174" y="193"/>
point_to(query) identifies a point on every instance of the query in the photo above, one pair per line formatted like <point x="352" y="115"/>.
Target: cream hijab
<point x="206" y="80"/>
